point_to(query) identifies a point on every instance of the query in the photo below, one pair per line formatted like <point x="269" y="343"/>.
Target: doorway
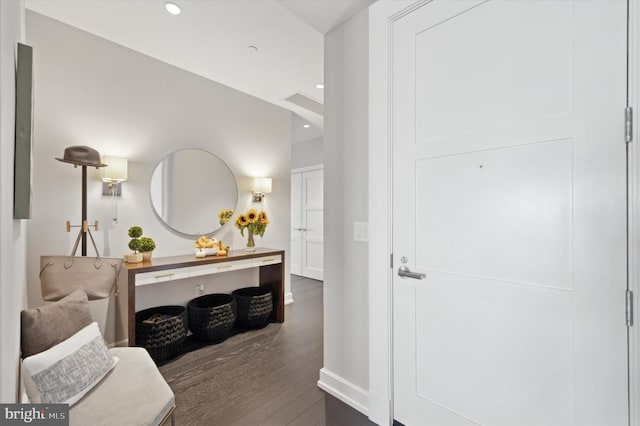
<point x="307" y="222"/>
<point x="509" y="196"/>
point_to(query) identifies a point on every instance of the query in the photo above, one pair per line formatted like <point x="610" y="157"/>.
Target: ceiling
<point x="271" y="49"/>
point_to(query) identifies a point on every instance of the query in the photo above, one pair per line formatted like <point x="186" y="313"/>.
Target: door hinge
<point x="629" y="307"/>
<point x="628" y="124"/>
<point x="391" y="260"/>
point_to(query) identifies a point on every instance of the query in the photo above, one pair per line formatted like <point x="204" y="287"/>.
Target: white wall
<point x="307" y="153"/>
<point x="89" y="91"/>
<point x="12" y="232"/>
<point x="346" y="352"/>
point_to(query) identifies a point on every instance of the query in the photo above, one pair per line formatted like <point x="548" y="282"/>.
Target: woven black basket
<point x="164" y="338"/>
<point x="212" y="316"/>
<point x="254" y="306"/>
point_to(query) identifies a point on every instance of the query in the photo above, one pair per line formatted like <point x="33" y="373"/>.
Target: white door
<point x="307" y="235"/>
<point x="509" y="195"/>
<point x="296" y="223"/>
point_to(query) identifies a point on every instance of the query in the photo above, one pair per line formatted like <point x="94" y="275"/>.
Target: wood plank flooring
<point x="262" y="377"/>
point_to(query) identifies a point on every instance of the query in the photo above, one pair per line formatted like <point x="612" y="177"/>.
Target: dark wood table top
<point x="170" y="262"/>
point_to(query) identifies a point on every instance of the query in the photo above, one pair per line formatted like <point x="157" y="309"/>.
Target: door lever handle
<point x="405" y="272"/>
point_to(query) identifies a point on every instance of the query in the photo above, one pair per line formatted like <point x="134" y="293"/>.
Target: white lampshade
<point x="262" y="185"/>
<point x="116" y="170"/>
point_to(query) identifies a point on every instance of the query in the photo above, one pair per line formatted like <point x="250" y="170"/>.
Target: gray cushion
<point x="133" y="393"/>
<point x="51" y="324"/>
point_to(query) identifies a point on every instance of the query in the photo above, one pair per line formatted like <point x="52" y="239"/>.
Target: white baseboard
<point x="288" y="298"/>
<point x="345" y="391"/>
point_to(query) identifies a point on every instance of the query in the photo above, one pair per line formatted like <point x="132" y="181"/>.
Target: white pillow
<point x="65" y="372"/>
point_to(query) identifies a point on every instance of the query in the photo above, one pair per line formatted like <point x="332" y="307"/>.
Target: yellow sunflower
<point x="263" y="219"/>
<point x="252" y="216"/>
<point x="242" y="220"/>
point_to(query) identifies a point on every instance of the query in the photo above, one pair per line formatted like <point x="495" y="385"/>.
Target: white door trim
<point x="381" y="16"/>
<point x="308" y="168"/>
<point x="634" y="211"/>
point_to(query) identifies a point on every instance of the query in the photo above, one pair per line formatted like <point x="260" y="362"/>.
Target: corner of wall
<point x="345" y="373"/>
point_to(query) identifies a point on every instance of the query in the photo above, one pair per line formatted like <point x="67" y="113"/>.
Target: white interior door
<point x="296" y="223"/>
<point x="509" y="195"/>
<point x="307" y="233"/>
<point x="313" y="224"/>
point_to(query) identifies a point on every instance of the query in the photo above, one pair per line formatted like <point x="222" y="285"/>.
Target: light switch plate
<point x="360" y="231"/>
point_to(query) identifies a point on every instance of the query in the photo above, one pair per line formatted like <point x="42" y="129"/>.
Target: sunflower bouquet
<point x="255" y="223"/>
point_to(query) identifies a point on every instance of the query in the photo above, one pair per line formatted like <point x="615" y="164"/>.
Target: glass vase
<point x="251" y="245"/>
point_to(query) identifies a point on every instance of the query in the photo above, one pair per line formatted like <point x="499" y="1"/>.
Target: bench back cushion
<point x="48" y="325"/>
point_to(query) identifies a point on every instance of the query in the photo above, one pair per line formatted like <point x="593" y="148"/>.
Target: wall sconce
<point x="261" y="186"/>
<point x="112" y="177"/>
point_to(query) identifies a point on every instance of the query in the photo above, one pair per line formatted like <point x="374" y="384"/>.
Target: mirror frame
<point x="182" y="232"/>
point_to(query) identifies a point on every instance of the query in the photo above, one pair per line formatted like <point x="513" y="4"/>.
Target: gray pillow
<point x="51" y="324"/>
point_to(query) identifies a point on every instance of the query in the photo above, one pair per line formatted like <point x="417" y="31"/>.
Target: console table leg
<point x="272" y="276"/>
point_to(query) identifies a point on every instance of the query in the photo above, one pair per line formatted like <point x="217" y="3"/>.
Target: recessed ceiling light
<point x="252" y="49"/>
<point x="172" y="8"/>
<point x="306" y="126"/>
<point x="319" y="86"/>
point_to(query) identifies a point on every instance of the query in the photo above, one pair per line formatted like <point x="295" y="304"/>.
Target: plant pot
<point x="146" y="256"/>
<point x="133" y="258"/>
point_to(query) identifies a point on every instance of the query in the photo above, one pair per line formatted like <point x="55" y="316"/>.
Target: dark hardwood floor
<point x="262" y="377"/>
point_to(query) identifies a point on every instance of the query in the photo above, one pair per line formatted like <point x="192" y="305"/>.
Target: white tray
<point x="206" y="251"/>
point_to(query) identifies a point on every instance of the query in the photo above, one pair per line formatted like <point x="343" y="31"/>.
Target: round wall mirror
<point x="189" y="190"/>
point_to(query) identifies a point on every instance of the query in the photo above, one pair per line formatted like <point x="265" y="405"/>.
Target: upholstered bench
<point x="133" y="393"/>
<point x="65" y="360"/>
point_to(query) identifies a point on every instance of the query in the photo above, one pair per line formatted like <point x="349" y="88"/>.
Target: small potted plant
<point x="147" y="245"/>
<point x="135" y="232"/>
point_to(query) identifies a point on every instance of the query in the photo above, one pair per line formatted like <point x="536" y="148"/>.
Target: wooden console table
<point x="269" y="261"/>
